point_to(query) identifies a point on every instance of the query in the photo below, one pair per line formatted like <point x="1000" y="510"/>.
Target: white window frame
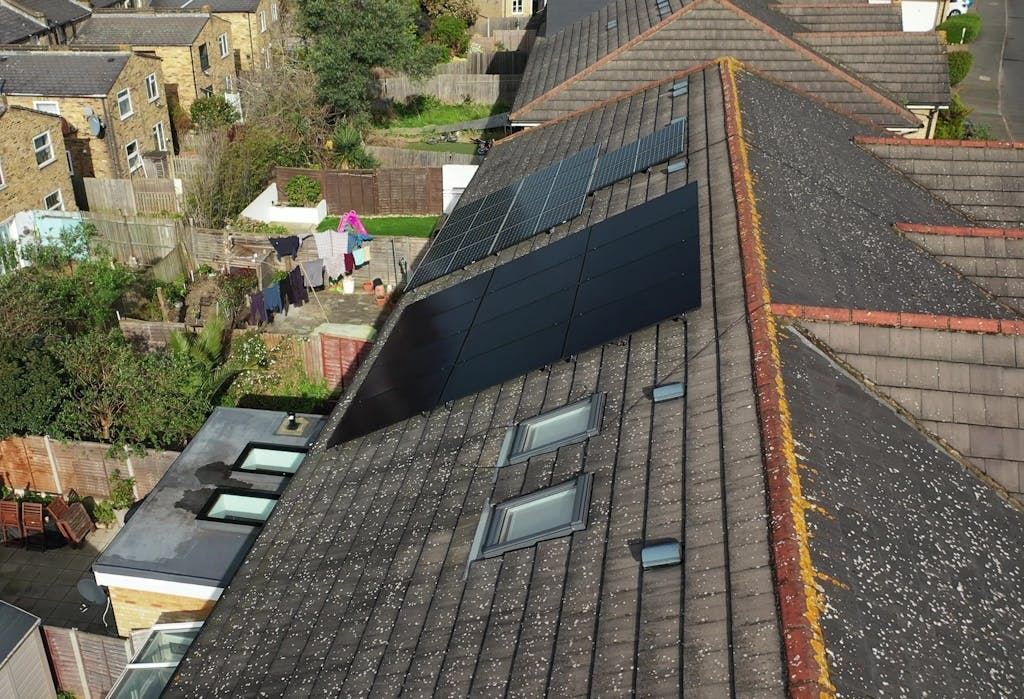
<point x="48" y="148"/>
<point x="263" y="21"/>
<point x="59" y="206"/>
<point x="266" y="57"/>
<point x="517" y="7"/>
<point x="152" y="88"/>
<point x="211" y="506"/>
<point x="125" y="95"/>
<point x="3" y="178"/>
<point x="494" y="532"/>
<point x="160" y="136"/>
<point x="229" y="83"/>
<point x="47" y="106"/>
<point x="222" y="42"/>
<point x="128" y="155"/>
<point x="274" y="12"/>
<point x="521" y="441"/>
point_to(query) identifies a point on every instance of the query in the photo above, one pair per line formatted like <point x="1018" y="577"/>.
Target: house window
<point x="54" y="201"/>
<point x="204" y="57"/>
<point x="273" y="12"/>
<point x="134" y="157"/>
<point x="263" y="22"/>
<point x="48" y="107"/>
<point x="149" y="672"/>
<point x="159" y="137"/>
<point x="222" y="42"/>
<point x="44" y="149"/>
<point x="229" y="83"/>
<point x="124" y="103"/>
<point x="517" y="7"/>
<point x="557" y="428"/>
<point x="544" y="514"/>
<point x="270" y="458"/>
<point x="3" y="179"/>
<point x="242" y="507"/>
<point x="207" y="91"/>
<point x="152" y="90"/>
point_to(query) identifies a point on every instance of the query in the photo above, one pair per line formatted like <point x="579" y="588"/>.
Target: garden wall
<point x="391" y="191"/>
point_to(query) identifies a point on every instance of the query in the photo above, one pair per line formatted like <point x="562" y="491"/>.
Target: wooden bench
<point x="73" y="521"/>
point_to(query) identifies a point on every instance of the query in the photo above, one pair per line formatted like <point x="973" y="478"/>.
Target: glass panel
<point x="167" y="646"/>
<point x="273" y="460"/>
<point x="532" y="518"/>
<point x="557" y="427"/>
<point x="142" y="683"/>
<point x="241" y="507"/>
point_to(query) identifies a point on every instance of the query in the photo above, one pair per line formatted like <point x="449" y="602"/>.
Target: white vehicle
<point x="958" y="7"/>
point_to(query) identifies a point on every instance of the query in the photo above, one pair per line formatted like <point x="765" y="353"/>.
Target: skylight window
<point x="663" y="8"/>
<point x="566" y="425"/>
<point x="612" y="23"/>
<point x="543" y="514"/>
<point x="242" y="507"/>
<point x="680" y="88"/>
<point x="148" y="674"/>
<point x="270" y="458"/>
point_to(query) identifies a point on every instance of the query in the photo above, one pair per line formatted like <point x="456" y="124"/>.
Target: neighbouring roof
<point x="15" y="625"/>
<point x="587" y="62"/>
<point x="164" y="540"/>
<point x="142" y="29"/>
<point x="215" y="5"/>
<point x="61" y="73"/>
<point x="845" y="17"/>
<point x="918" y="558"/>
<point x="16" y="27"/>
<point x="57" y="11"/>
<point x="912" y="65"/>
<point x="982" y="179"/>
<point x="559" y="14"/>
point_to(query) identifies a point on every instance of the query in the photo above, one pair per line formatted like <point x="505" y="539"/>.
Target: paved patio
<point x="330" y="306"/>
<point x="44" y="583"/>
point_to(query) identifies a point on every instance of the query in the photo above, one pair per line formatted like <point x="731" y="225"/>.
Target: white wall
<point x="454" y="179"/>
<point x="264" y="208"/>
<point x="919" y="15"/>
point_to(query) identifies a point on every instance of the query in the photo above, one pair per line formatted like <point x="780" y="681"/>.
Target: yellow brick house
<point x="195" y="48"/>
<point x="111" y="101"/>
<point x="252" y="26"/>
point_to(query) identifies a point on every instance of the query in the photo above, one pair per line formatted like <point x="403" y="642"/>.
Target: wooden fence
<point x="495" y="63"/>
<point x="482" y="89"/>
<point x="87" y="664"/>
<point x="185" y="166"/>
<point x="41" y="463"/>
<point x="144" y="241"/>
<point x="403" y="157"/>
<point x="131" y="197"/>
<point x="374" y="192"/>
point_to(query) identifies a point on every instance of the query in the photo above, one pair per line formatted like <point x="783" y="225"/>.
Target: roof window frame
<point x="516" y="448"/>
<point x="204" y="514"/>
<point x="252" y="446"/>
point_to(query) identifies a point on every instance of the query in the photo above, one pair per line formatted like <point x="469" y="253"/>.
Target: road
<point x="995" y="86"/>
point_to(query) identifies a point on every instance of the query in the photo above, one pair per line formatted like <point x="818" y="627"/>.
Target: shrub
<point x="451" y="32"/>
<point x="953" y="121"/>
<point x="960" y="63"/>
<point x="302" y="191"/>
<point x="213" y="112"/>
<point x="348" y="145"/>
<point x="103" y="512"/>
<point x="961" y="29"/>
<point x="121" y="491"/>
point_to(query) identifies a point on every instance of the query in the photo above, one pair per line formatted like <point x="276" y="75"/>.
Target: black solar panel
<point x="635" y="157"/>
<point x="624" y="274"/>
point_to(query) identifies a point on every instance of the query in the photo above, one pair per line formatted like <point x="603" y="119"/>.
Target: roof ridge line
<point x="900" y="319"/>
<point x="778" y="6"/>
<point x="872" y="92"/>
<point x="967" y="231"/>
<point x="593" y="67"/>
<point x="923" y="142"/>
<point x="799" y="598"/>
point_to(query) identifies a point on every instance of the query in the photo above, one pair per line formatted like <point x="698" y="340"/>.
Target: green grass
<point x="465" y="148"/>
<point x="440" y="114"/>
<point x="411" y="226"/>
<point x="961" y="29"/>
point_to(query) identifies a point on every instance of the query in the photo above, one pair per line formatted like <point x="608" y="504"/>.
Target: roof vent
<point x="663" y="8"/>
<point x="668" y="391"/>
<point x="676" y="165"/>
<point x="656" y="554"/>
<point x="294" y="426"/>
<point x="612" y="23"/>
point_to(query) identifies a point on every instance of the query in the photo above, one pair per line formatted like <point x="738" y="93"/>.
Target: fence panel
<point x="110" y="194"/>
<point x="185" y="166"/>
<point x="103" y="658"/>
<point x="144" y="241"/>
<point x="149" y="469"/>
<point x="385" y="191"/>
<point x="489" y="63"/>
<point x="482" y="89"/>
<point x="390" y="157"/>
<point x="16" y="467"/>
<point x="156" y="196"/>
<point x="154" y="333"/>
<point x="409" y="191"/>
<point x="171" y="266"/>
<point x="83" y="467"/>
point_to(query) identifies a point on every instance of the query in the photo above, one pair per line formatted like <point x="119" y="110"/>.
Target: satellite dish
<point x="91" y="592"/>
<point x="96" y="126"/>
<point x="87" y="112"/>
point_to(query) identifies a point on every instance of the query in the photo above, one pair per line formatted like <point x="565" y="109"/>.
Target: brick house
<point x="252" y="25"/>
<point x="111" y="101"/>
<point x="41" y="22"/>
<point x="34" y="172"/>
<point x="194" y="47"/>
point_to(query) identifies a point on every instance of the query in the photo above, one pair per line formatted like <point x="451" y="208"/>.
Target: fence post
<point x="131" y="474"/>
<point x="77" y="651"/>
<point x="53" y="464"/>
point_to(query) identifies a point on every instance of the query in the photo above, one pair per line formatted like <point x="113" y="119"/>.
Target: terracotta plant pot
<point x="368" y="286"/>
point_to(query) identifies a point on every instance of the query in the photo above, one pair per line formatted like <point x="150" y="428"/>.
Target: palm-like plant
<point x="207" y="351"/>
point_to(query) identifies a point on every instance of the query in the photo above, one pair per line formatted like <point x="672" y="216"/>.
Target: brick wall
<point x="246" y="37"/>
<point x="26" y="184"/>
<point x="135" y="609"/>
<point x="220" y="67"/>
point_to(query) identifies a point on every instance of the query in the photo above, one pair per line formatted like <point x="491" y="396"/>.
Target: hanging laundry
<point x="325" y="244"/>
<point x="286" y="293"/>
<point x="359" y="257"/>
<point x="366" y="252"/>
<point x="313" y="271"/>
<point x="257" y="309"/>
<point x="286" y="246"/>
<point x="354" y="243"/>
<point x="350" y="263"/>
<point x="299" y="294"/>
<point x="334" y="267"/>
<point x="272" y="297"/>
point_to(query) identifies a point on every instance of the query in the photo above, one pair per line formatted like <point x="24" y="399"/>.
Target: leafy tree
<point x="350" y="38"/>
<point x="247" y="165"/>
<point x="465" y="10"/>
<point x="348" y="144"/>
<point x="207" y="351"/>
<point x="451" y="32"/>
<point x="28" y="371"/>
<point x="212" y="112"/>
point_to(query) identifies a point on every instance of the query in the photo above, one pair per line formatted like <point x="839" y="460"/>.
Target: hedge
<point x="961" y="29"/>
<point x="960" y="63"/>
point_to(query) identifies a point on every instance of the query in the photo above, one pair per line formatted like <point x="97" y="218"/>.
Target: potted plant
<point x="122" y="494"/>
<point x="103" y="513"/>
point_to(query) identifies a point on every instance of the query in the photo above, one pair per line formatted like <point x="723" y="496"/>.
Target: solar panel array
<point x="623" y="274"/>
<point x="539" y="202"/>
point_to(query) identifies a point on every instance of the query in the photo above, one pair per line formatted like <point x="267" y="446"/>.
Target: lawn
<point x="439" y="114"/>
<point x="412" y="226"/>
<point x="466" y="148"/>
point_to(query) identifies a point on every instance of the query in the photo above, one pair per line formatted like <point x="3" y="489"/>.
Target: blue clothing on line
<point x="272" y="298"/>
